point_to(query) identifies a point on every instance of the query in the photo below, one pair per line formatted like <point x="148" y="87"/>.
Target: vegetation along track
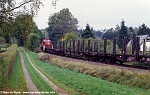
<point x="56" y="88"/>
<point x="84" y="84"/>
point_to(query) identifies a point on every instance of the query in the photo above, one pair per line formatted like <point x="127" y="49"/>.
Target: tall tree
<point x="143" y="30"/>
<point x="122" y="33"/>
<point x="10" y="9"/>
<point x="13" y="8"/>
<point x="24" y="26"/>
<point x="61" y="23"/>
<point x="87" y="33"/>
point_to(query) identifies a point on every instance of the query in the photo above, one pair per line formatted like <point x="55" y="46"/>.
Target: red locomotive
<point x="46" y="44"/>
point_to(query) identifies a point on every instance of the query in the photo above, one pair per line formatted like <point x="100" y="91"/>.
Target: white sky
<point x="99" y="14"/>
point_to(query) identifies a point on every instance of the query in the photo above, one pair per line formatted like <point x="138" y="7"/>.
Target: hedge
<point x="7" y="60"/>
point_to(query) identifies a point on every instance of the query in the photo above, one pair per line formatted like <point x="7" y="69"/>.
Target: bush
<point x="33" y="41"/>
<point x="109" y="48"/>
<point x="2" y="40"/>
<point x="7" y="60"/>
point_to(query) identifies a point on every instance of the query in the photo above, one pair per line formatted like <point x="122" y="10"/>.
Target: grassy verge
<point x="82" y="83"/>
<point x="16" y="81"/>
<point x="37" y="79"/>
<point x="133" y="78"/>
<point x="7" y="61"/>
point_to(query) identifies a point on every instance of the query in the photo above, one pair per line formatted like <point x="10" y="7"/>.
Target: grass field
<point x="82" y="83"/>
<point x="123" y="76"/>
<point x="16" y="81"/>
<point x="37" y="79"/>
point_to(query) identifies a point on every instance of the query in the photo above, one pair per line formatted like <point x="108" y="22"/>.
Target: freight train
<point x="85" y="49"/>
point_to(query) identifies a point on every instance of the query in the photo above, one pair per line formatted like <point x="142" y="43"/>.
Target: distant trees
<point x="143" y="30"/>
<point x="98" y="34"/>
<point x="122" y="33"/>
<point x="110" y="34"/>
<point x="61" y="23"/>
<point x="87" y="33"/>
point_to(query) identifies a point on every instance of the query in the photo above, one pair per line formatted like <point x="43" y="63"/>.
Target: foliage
<point x="132" y="35"/>
<point x="33" y="41"/>
<point x="6" y="5"/>
<point x="24" y="26"/>
<point x="7" y="60"/>
<point x="144" y="30"/>
<point x="110" y="34"/>
<point x="10" y="7"/>
<point x="98" y="34"/>
<point x="109" y="47"/>
<point x="2" y="40"/>
<point x="122" y="33"/>
<point x="61" y="23"/>
<point x="69" y="36"/>
<point x="7" y="30"/>
<point x="87" y="33"/>
<point x="40" y="34"/>
<point x="9" y="10"/>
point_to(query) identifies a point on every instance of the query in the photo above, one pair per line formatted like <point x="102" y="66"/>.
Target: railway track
<point x="102" y="60"/>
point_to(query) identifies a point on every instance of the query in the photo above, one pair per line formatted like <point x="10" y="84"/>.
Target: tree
<point x="37" y="31"/>
<point x="12" y="8"/>
<point x="110" y="34"/>
<point x="33" y="41"/>
<point x="87" y="33"/>
<point x="61" y="23"/>
<point x="24" y="26"/>
<point x="122" y="33"/>
<point x="143" y="30"/>
<point x="8" y="29"/>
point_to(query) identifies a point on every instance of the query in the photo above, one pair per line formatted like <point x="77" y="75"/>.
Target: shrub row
<point x="131" y="78"/>
<point x="7" y="60"/>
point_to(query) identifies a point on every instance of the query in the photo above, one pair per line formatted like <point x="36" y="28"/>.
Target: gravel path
<point x="30" y="85"/>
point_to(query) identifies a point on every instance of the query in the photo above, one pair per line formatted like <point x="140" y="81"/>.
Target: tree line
<point x="123" y="31"/>
<point x="63" y="26"/>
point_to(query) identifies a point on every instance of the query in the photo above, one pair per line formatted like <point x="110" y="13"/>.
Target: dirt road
<point x="50" y="83"/>
<point x="30" y="85"/>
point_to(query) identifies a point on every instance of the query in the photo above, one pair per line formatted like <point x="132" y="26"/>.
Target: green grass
<point x="129" y="77"/>
<point x="16" y="81"/>
<point x="3" y="49"/>
<point x="84" y="84"/>
<point x="37" y="79"/>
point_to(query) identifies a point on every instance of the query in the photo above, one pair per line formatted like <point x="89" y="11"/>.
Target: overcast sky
<point x="99" y="14"/>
